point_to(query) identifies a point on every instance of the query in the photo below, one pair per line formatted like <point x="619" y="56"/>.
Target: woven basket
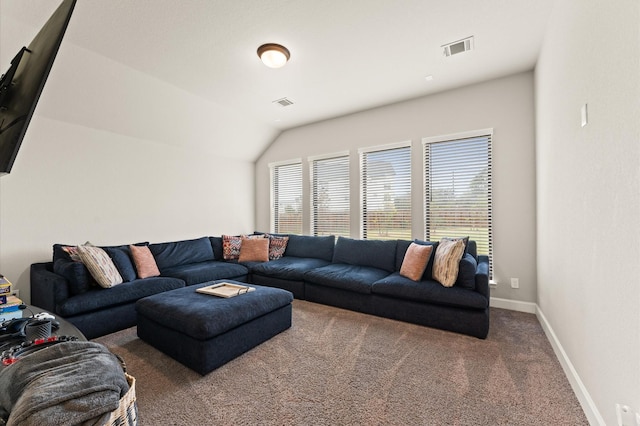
<point x="127" y="411"/>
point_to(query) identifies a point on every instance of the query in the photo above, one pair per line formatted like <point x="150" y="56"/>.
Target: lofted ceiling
<point x="346" y="55"/>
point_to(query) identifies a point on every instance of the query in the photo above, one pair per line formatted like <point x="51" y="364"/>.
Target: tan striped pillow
<point x="447" y="261"/>
<point x="100" y="266"/>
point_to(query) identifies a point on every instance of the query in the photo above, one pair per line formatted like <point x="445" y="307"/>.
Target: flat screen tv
<point x="22" y="84"/>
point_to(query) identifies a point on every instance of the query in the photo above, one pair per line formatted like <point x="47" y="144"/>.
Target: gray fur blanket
<point x="69" y="383"/>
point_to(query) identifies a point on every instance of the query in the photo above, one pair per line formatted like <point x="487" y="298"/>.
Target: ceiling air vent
<point x="283" y="102"/>
<point x="459" y="46"/>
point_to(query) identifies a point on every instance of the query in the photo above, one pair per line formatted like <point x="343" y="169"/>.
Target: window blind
<point x="286" y="207"/>
<point x="386" y="193"/>
<point x="458" y="192"/>
<point x="330" y="196"/>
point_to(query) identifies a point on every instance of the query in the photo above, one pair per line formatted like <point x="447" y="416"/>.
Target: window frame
<point x="463" y="136"/>
<point x="362" y="152"/>
<point x="273" y="196"/>
<point x="346" y="155"/>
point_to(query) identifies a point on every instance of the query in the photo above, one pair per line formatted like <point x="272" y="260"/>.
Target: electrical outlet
<point x="626" y="416"/>
<point x="515" y="283"/>
<point x="15" y="293"/>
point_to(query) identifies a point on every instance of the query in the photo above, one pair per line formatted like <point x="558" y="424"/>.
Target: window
<point x="458" y="189"/>
<point x="386" y="192"/>
<point x="286" y="198"/>
<point x="330" y="196"/>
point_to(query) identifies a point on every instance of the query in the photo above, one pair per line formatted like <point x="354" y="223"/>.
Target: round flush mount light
<point x="273" y="55"/>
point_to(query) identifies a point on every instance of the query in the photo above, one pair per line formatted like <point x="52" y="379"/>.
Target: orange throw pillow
<point x="254" y="250"/>
<point x="144" y="261"/>
<point x="415" y="261"/>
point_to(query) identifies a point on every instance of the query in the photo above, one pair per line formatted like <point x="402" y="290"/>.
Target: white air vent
<point x="459" y="46"/>
<point x="283" y="102"/>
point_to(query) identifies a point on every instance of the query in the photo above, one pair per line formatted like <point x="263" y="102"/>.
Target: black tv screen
<point x="22" y="84"/>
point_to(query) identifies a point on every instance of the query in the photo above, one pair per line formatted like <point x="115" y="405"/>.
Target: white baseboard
<point x="513" y="305"/>
<point x="588" y="406"/>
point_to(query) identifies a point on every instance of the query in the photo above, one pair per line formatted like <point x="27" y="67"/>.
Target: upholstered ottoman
<point x="204" y="332"/>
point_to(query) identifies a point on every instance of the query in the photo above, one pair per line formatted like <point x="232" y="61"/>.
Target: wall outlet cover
<point x="626" y="416"/>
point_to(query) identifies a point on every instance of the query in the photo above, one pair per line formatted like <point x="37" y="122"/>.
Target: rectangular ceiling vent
<point x="459" y="46"/>
<point x="283" y="102"/>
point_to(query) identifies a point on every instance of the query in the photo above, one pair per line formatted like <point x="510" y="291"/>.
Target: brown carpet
<point x="337" y="367"/>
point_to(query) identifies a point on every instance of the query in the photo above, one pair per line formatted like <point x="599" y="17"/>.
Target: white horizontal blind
<point x="286" y="206"/>
<point x="386" y="193"/>
<point x="458" y="191"/>
<point x="330" y="196"/>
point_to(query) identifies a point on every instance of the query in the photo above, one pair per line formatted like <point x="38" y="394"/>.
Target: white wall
<point x="113" y="156"/>
<point x="588" y="190"/>
<point x="506" y="105"/>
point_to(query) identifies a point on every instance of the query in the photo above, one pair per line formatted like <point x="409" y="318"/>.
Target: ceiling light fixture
<point x="273" y="55"/>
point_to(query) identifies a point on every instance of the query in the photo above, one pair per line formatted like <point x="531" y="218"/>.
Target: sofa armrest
<point x="482" y="276"/>
<point x="47" y="288"/>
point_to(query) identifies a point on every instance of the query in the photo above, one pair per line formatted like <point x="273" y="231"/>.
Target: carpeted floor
<point x="337" y="367"/>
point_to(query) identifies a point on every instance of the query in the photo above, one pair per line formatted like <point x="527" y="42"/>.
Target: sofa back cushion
<point x="309" y="246"/>
<point x="467" y="272"/>
<point x="182" y="252"/>
<point x="375" y="253"/>
<point x="76" y="274"/>
<point x="216" y="245"/>
<point x="122" y="259"/>
<point x="472" y="249"/>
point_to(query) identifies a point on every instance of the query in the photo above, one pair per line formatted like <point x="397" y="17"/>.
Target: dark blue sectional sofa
<point x="360" y="275"/>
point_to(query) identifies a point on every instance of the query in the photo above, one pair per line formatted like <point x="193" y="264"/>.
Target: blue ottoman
<point x="204" y="332"/>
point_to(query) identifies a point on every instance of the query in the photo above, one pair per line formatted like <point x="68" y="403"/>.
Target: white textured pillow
<point x="446" y="261"/>
<point x="100" y="266"/>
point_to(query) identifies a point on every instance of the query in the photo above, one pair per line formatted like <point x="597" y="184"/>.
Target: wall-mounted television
<point x="22" y="84"/>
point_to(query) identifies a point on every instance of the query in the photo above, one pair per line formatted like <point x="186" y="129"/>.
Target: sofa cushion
<point x="254" y="250"/>
<point x="181" y="252"/>
<point x="375" y="253"/>
<point x="428" y="291"/>
<point x="216" y="245"/>
<point x="346" y="277"/>
<point x="446" y="261"/>
<point x="415" y="261"/>
<point x="146" y="265"/>
<point x="289" y="267"/>
<point x="195" y="273"/>
<point x="101" y="298"/>
<point x="100" y="266"/>
<point x="122" y="259"/>
<point x="78" y="276"/>
<point x="309" y="246"/>
<point x="467" y="272"/>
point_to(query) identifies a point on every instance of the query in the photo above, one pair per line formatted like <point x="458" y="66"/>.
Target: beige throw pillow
<point x="100" y="266"/>
<point x="144" y="261"/>
<point x="415" y="261"/>
<point x="254" y="250"/>
<point x="447" y="261"/>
